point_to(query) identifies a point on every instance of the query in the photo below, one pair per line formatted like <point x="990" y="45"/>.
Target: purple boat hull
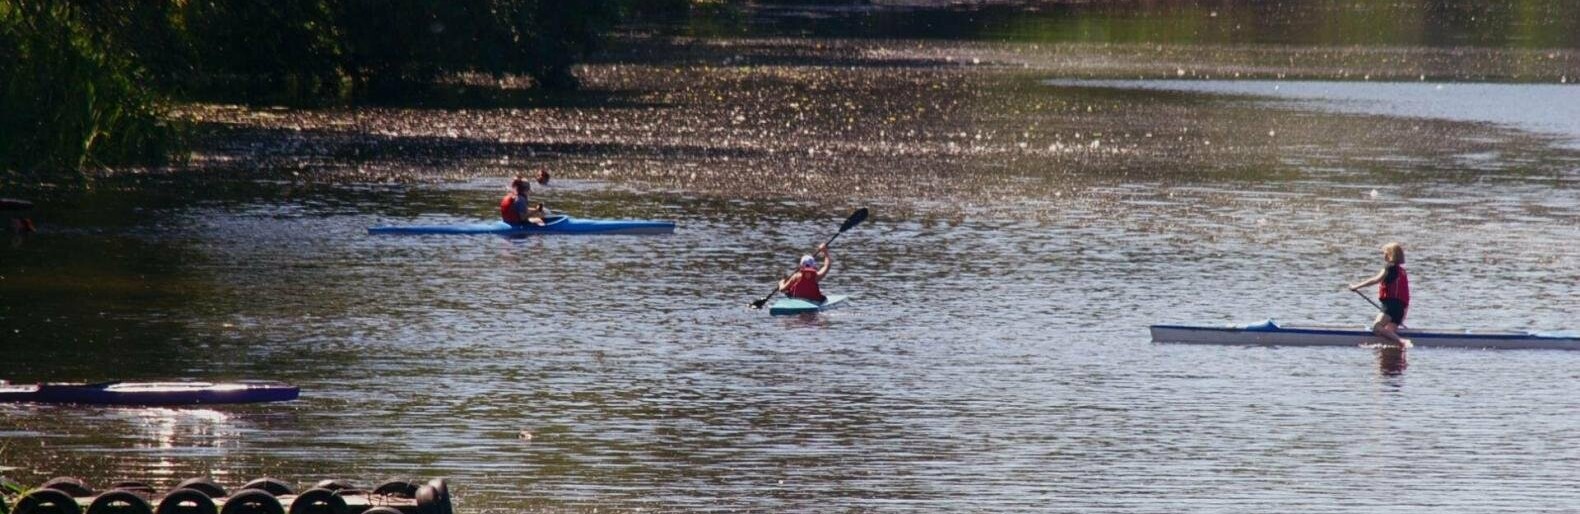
<point x="150" y="393"/>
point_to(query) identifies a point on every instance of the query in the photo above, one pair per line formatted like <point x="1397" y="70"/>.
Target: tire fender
<point x="42" y="501"/>
<point x="106" y="503"/>
<point x="171" y="503"/>
<point x="252" y="501"/>
<point x="318" y="501"/>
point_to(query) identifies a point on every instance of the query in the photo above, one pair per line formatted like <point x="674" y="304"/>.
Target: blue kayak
<point x="558" y="224"/>
<point x="789" y="306"/>
<point x="150" y="393"/>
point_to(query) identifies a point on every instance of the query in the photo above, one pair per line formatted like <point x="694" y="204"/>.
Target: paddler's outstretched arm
<point x="1371" y="281"/>
<point x="828" y="261"/>
<point x="784" y="283"/>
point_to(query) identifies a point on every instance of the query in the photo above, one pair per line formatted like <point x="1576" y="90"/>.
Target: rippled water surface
<point x="995" y="365"/>
<point x="994" y="357"/>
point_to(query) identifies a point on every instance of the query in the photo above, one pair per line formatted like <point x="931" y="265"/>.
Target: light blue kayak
<point x="557" y="224"/>
<point x="788" y="306"/>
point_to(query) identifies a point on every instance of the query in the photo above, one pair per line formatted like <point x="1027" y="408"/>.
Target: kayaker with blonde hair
<point x="1393" y="292"/>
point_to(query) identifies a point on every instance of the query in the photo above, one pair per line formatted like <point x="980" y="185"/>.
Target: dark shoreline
<point x="899" y="122"/>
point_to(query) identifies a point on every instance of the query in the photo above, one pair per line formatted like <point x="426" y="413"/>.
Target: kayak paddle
<point x="855" y="219"/>
<point x="1368" y="300"/>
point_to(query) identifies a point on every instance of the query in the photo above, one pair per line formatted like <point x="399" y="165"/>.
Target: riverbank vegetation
<point x="67" y="101"/>
<point x="90" y="82"/>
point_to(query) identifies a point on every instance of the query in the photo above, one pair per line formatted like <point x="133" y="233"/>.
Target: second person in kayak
<point x="803" y="283"/>
<point x="1393" y="292"/>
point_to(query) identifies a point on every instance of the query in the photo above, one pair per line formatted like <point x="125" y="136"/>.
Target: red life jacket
<point x="507" y="210"/>
<point x="1396" y="289"/>
<point x="805" y="287"/>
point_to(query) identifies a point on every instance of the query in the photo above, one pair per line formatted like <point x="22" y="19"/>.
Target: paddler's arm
<point x="535" y="214"/>
<point x="784" y="283"/>
<point x="828" y="261"/>
<point x="1371" y="281"/>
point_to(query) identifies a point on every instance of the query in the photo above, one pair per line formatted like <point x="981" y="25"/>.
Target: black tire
<point x="333" y="485"/>
<point x="397" y="488"/>
<point x="272" y="486"/>
<point x="442" y="486"/>
<point x="69" y="485"/>
<point x="383" y="510"/>
<point x="134" y="486"/>
<point x="47" y="501"/>
<point x="205" y="485"/>
<point x="112" y="503"/>
<point x="252" y="501"/>
<point x="319" y="501"/>
<point x="202" y="503"/>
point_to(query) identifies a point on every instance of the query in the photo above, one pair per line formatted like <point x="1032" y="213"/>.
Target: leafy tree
<point x="68" y="103"/>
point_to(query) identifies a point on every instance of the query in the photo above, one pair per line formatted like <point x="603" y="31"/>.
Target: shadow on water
<point x="263" y="147"/>
<point x="483" y="92"/>
<point x="1433" y="23"/>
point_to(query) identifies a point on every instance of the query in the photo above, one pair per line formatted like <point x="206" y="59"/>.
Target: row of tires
<point x="261" y="496"/>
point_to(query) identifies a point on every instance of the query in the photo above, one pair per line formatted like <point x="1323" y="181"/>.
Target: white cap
<point x="808" y="262"/>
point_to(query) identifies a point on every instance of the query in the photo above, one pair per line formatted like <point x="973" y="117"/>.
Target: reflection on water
<point x="994" y="357"/>
<point x="984" y="362"/>
<point x="1391" y="360"/>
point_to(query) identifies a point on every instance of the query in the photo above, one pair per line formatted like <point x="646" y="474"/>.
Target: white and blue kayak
<point x="789" y="306"/>
<point x="555" y="224"/>
<point x="1270" y="333"/>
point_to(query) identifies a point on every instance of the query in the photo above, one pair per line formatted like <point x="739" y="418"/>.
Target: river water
<point x="995" y="356"/>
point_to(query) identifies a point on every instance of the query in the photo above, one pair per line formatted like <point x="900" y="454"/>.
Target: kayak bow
<point x="559" y="224"/>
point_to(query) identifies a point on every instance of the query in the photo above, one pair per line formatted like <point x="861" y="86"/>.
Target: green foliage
<point x="392" y="45"/>
<point x="286" y="49"/>
<point x="67" y="101"/>
<point x="11" y="489"/>
<point x="83" y="80"/>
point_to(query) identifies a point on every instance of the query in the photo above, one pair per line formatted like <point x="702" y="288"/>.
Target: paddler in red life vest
<point x="803" y="283"/>
<point x="1393" y="292"/>
<point x="513" y="209"/>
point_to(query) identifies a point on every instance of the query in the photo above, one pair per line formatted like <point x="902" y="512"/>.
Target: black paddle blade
<point x="855" y="219"/>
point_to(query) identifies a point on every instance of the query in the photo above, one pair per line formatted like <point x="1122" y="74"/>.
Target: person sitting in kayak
<point x="803" y="283"/>
<point x="1393" y="292"/>
<point x="515" y="209"/>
